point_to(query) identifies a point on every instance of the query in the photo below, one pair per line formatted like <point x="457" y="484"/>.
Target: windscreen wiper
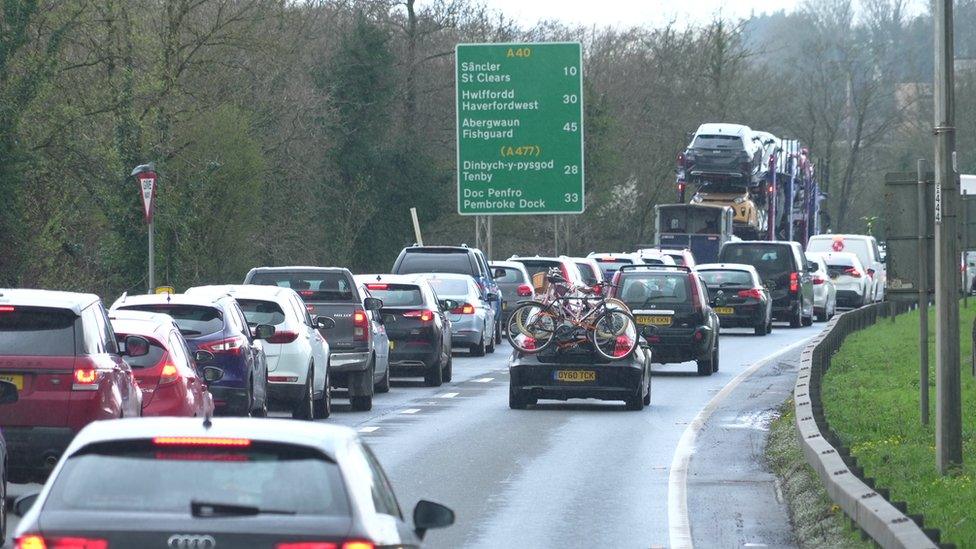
<point x="204" y="509"/>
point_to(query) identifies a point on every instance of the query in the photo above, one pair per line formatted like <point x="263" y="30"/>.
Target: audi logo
<point x="190" y="541"/>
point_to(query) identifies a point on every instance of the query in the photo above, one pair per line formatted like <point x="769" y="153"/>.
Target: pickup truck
<point x="359" y="344"/>
<point x="579" y="372"/>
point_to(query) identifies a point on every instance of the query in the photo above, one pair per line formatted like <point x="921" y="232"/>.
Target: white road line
<point x="369" y="429"/>
<point x="483" y="380"/>
<point x="679" y="527"/>
<point x="448" y="395"/>
<point x="410" y="411"/>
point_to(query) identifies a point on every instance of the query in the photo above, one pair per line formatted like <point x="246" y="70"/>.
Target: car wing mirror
<point x="8" y="394"/>
<point x="324" y="322"/>
<point x="263" y="331"/>
<point x="135" y="346"/>
<point x="449" y="305"/>
<point x="491" y="297"/>
<point x="212" y="374"/>
<point x="24" y="503"/>
<point x="427" y="515"/>
<point x="372" y="303"/>
<point x="203" y="356"/>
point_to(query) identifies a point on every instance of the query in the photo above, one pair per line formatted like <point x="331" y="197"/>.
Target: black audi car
<point x="737" y="296"/>
<point x="671" y="307"/>
<point x="416" y="324"/>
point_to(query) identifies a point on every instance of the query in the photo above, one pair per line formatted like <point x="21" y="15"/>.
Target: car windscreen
<point x="448" y="288"/>
<point x="771" y="260"/>
<point x="641" y="289"/>
<point x="692" y="219"/>
<point x="192" y="320"/>
<point x="717" y="142"/>
<point x="147" y="360"/>
<point x="850" y="245"/>
<point x="508" y="274"/>
<point x="719" y="278"/>
<point x="310" y="285"/>
<point x="437" y="262"/>
<point x="261" y="312"/>
<point x="166" y="477"/>
<point x="397" y="295"/>
<point x="586" y="270"/>
<point x="35" y="331"/>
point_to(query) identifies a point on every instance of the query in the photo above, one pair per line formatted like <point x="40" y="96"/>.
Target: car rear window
<point x="35" y="331"/>
<point x="261" y="312"/>
<point x="768" y="259"/>
<point x="534" y="266"/>
<point x="142" y="476"/>
<point x="717" y="142"/>
<point x="612" y="265"/>
<point x="311" y="286"/>
<point x="850" y="245"/>
<point x="397" y="295"/>
<point x="587" y="271"/>
<point x="147" y="360"/>
<point x="445" y="288"/>
<point x="679" y="259"/>
<point x="509" y="274"/>
<point x="437" y="262"/>
<point x="641" y="289"/>
<point x="718" y="278"/>
<point x="192" y="320"/>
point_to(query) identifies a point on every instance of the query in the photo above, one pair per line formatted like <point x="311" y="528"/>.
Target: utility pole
<point x="948" y="418"/>
<point x="923" y="298"/>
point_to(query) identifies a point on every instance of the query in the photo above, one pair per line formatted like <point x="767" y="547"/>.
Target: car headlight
<point x="738" y="200"/>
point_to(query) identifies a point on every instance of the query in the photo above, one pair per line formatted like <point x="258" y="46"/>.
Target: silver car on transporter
<point x="472" y="321"/>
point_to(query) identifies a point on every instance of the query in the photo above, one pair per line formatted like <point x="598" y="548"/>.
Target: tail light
<point x="424" y="315"/>
<point x="7" y="309"/>
<point x="851" y="271"/>
<point x="698" y="336"/>
<point x="818" y="281"/>
<point x="283" y="379"/>
<point x="524" y="290"/>
<point x="794" y="282"/>
<point x="770" y="189"/>
<point x="85" y="378"/>
<point x="529" y="344"/>
<point x="360" y="327"/>
<point x="378" y="286"/>
<point x="466" y="309"/>
<point x="231" y="345"/>
<point x="218" y="442"/>
<point x="169" y="374"/>
<point x="354" y="544"/>
<point x="681" y="160"/>
<point x="34" y="541"/>
<point x="754" y="293"/>
<point x="622" y="346"/>
<point x="696" y="303"/>
<point x="597" y="289"/>
<point x="283" y="337"/>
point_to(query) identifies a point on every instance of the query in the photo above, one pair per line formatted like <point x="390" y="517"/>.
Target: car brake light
<point x="529" y="344"/>
<point x="358" y="544"/>
<point x="85" y="378"/>
<point x="852" y="272"/>
<point x="698" y="336"/>
<point x="230" y="345"/>
<point x="169" y="374"/>
<point x="622" y="346"/>
<point x="754" y="293"/>
<point x="7" y="309"/>
<point x="283" y="379"/>
<point x="202" y="441"/>
<point x="360" y="330"/>
<point x="378" y="286"/>
<point x="424" y="315"/>
<point x="283" y="337"/>
<point x="794" y="282"/>
<point x="524" y="290"/>
<point x="696" y="303"/>
<point x="308" y="545"/>
<point x="466" y="309"/>
<point x="34" y="541"/>
<point x="818" y="281"/>
<point x="306" y="293"/>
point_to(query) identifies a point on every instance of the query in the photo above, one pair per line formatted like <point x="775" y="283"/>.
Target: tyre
<point x="435" y="374"/>
<point x="635" y="403"/>
<point x="822" y="317"/>
<point x="611" y="330"/>
<point x="706" y="367"/>
<point x="479" y="349"/>
<point x="322" y="407"/>
<point x="262" y="411"/>
<point x="517" y="400"/>
<point x="762" y="329"/>
<point x="647" y="397"/>
<point x="448" y="371"/>
<point x="498" y="332"/>
<point x="797" y="319"/>
<point x="715" y="358"/>
<point x="532" y="322"/>
<point x="362" y="403"/>
<point x="807" y="320"/>
<point x="769" y="324"/>
<point x="3" y="506"/>
<point x="304" y="408"/>
<point x="384" y="385"/>
<point x="491" y="342"/>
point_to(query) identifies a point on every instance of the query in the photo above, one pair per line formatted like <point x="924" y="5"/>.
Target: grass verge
<point x="817" y="522"/>
<point x="871" y="400"/>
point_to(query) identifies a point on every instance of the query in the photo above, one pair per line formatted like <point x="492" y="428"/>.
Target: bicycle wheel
<point x="532" y="326"/>
<point x="614" y="334"/>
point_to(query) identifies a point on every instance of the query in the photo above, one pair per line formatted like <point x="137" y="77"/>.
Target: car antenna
<point x="206" y="420"/>
<point x="124" y="295"/>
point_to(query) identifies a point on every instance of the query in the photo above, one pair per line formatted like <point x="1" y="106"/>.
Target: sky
<point x="652" y="13"/>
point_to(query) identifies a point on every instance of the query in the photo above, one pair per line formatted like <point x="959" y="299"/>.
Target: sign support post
<point x="923" y="299"/>
<point x="147" y="178"/>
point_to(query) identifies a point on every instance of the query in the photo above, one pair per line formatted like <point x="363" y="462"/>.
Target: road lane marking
<point x="679" y="526"/>
<point x="410" y="411"/>
<point x="448" y="395"/>
<point x="369" y="429"/>
<point x="483" y="380"/>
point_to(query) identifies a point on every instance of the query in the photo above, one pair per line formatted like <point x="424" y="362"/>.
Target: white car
<point x="679" y="257"/>
<point x="610" y="263"/>
<point x="866" y="249"/>
<point x="824" y="290"/>
<point x="298" y="356"/>
<point x="849" y="277"/>
<point x="472" y="321"/>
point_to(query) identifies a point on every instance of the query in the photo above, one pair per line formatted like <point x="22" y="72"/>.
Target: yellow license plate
<point x="724" y="310"/>
<point x="653" y="320"/>
<point x="575" y="375"/>
<point x="505" y="306"/>
<point x="392" y="344"/>
<point x="17" y="380"/>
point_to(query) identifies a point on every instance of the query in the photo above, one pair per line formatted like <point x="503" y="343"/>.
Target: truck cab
<point x="701" y="228"/>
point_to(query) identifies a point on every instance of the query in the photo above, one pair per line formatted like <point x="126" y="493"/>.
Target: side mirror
<point x="449" y="305"/>
<point x="812" y="267"/>
<point x="25" y="502"/>
<point x="203" y="356"/>
<point x="372" y="304"/>
<point x="871" y="272"/>
<point x="136" y="346"/>
<point x="324" y="322"/>
<point x="263" y="331"/>
<point x="8" y="394"/>
<point x="492" y="297"/>
<point x="212" y="374"/>
<point x="427" y="515"/>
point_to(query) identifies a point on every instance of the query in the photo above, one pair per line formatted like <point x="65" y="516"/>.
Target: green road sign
<point x="519" y="128"/>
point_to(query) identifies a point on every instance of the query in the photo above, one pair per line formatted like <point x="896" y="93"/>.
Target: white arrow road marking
<point x="483" y="380"/>
<point x="679" y="527"/>
<point x="370" y="429"/>
<point x="448" y="395"/>
<point x="410" y="411"/>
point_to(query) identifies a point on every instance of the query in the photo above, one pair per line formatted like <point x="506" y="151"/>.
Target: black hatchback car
<point x="672" y="311"/>
<point x="785" y="272"/>
<point x="737" y="296"/>
<point x="416" y="324"/>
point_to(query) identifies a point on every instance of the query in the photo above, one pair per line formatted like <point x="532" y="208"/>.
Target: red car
<point x="167" y="374"/>
<point x="59" y="351"/>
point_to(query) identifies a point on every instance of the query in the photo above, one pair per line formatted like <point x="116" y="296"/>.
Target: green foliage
<point x="871" y="399"/>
